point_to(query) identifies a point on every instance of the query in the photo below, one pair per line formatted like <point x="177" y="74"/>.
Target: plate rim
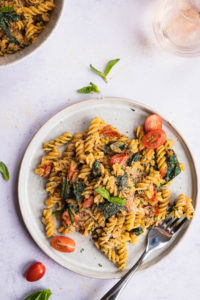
<point x="146" y="108"/>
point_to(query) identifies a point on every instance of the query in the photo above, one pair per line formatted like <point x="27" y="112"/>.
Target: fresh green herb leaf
<point x="57" y="212"/>
<point x="110" y="65"/>
<point x="100" y="265"/>
<point x="5" y="19"/>
<point x="132" y="109"/>
<point x="4" y="171"/>
<point x="121" y="181"/>
<point x="110" y="209"/>
<point x="70" y="214"/>
<point x="6" y="9"/>
<point x="40" y="295"/>
<point x="103" y="192"/>
<point x="173" y="167"/>
<point x="96" y="169"/>
<point x="118" y="200"/>
<point x="99" y="73"/>
<point x="78" y="190"/>
<point x="135" y="157"/>
<point x="92" y="88"/>
<point x="65" y="191"/>
<point x="137" y="230"/>
<point x="82" y="249"/>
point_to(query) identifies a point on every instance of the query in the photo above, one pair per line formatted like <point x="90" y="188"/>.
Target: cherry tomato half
<point x="154" y="138"/>
<point x="153" y="122"/>
<point x="72" y="170"/>
<point x="35" y="272"/>
<point x="118" y="159"/>
<point x="63" y="244"/>
<point x="107" y="130"/>
<point x="88" y="202"/>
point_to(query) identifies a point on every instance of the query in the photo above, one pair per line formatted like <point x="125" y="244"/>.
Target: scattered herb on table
<point x="132" y="109"/>
<point x="100" y="265"/>
<point x="7" y="15"/>
<point x="92" y="88"/>
<point x="82" y="249"/>
<point x="40" y="295"/>
<point x="4" y="171"/>
<point x="109" y="66"/>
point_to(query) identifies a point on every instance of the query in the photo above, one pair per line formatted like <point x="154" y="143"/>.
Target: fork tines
<point x="172" y="225"/>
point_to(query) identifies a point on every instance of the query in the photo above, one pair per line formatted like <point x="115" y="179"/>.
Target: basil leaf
<point x="4" y="171"/>
<point x="118" y="200"/>
<point x="93" y="88"/>
<point x="6" y="9"/>
<point x="103" y="192"/>
<point x="110" y="64"/>
<point x="57" y="212"/>
<point x="42" y="295"/>
<point x="122" y="181"/>
<point x="99" y="73"/>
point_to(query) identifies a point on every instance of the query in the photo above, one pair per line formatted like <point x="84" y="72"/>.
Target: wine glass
<point x="176" y="25"/>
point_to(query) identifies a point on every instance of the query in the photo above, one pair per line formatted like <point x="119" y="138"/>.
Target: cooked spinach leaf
<point x="135" y="157"/>
<point x="66" y="190"/>
<point x="118" y="147"/>
<point x="78" y="189"/>
<point x="173" y="167"/>
<point x="57" y="212"/>
<point x="137" y="230"/>
<point x="121" y="181"/>
<point x="70" y="214"/>
<point x="6" y="9"/>
<point x="5" y="19"/>
<point x="110" y="209"/>
<point x="107" y="149"/>
<point x="96" y="169"/>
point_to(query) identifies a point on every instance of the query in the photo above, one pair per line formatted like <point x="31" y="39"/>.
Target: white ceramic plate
<point x="125" y="115"/>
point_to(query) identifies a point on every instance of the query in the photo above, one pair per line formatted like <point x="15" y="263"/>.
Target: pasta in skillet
<point x="21" y="21"/>
<point x="103" y="184"/>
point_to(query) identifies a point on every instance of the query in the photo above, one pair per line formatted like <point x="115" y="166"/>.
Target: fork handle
<point x="114" y="292"/>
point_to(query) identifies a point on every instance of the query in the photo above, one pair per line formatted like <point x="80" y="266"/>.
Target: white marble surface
<point x="94" y="31"/>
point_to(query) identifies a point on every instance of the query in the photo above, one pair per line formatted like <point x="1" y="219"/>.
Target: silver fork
<point x="157" y="238"/>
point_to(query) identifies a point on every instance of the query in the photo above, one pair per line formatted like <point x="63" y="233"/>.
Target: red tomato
<point x="63" y="244"/>
<point x="88" y="202"/>
<point x="72" y="170"/>
<point x="154" y="198"/>
<point x="154" y="138"/>
<point x="163" y="172"/>
<point x="35" y="272"/>
<point x="118" y="159"/>
<point x="153" y="122"/>
<point x="156" y="210"/>
<point x="47" y="169"/>
<point x="109" y="131"/>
